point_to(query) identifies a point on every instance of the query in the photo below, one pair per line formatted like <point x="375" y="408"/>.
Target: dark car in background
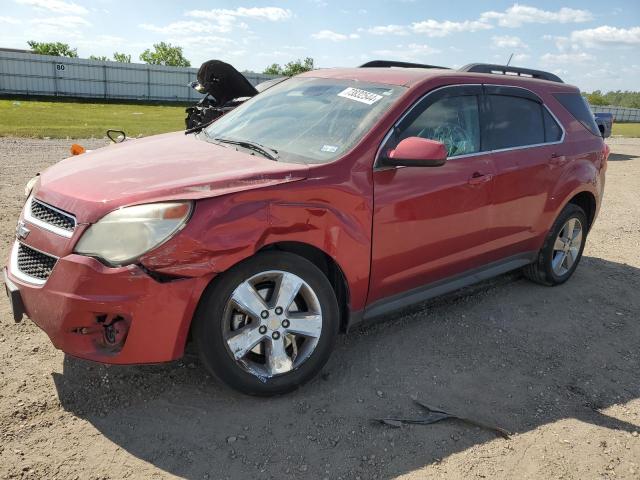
<point x="605" y="123"/>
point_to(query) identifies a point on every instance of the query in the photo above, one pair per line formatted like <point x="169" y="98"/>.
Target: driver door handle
<point x="479" y="177"/>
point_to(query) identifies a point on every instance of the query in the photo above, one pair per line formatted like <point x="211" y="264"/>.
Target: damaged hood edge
<point x="160" y="168"/>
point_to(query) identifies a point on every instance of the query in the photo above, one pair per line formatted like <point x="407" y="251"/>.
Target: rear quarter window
<point x="552" y="131"/>
<point x="579" y="109"/>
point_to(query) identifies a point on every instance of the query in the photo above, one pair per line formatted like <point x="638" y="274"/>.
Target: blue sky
<point x="592" y="44"/>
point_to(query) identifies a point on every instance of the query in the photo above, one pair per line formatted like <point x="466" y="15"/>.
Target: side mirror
<point x="418" y="152"/>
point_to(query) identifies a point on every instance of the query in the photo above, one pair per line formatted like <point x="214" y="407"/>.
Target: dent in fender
<point x="214" y="243"/>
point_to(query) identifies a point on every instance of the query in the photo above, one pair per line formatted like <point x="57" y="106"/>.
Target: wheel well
<point x="587" y="202"/>
<point x="327" y="265"/>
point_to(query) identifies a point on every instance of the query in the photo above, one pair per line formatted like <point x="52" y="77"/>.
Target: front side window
<point x="453" y="121"/>
<point x="515" y="122"/>
<point x="307" y="120"/>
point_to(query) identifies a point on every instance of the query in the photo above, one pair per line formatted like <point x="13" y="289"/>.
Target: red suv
<point x="331" y="198"/>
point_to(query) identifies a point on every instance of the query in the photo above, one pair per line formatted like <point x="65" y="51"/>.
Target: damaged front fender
<point x="226" y="230"/>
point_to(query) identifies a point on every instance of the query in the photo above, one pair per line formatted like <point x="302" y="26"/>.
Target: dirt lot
<point x="557" y="366"/>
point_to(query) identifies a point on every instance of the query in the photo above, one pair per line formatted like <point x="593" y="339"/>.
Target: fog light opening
<point x="115" y="332"/>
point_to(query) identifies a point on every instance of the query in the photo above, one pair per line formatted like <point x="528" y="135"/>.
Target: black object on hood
<point x="223" y="82"/>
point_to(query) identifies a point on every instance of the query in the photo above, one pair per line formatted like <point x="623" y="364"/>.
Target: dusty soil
<point x="557" y="366"/>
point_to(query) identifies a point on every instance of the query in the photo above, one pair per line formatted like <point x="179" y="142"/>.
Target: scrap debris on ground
<point x="435" y="415"/>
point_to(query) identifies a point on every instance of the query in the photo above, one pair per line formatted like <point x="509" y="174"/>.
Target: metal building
<point x="31" y="74"/>
<point x="620" y="114"/>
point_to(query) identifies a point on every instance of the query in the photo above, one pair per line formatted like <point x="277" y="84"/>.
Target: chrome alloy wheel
<point x="566" y="248"/>
<point x="272" y="323"/>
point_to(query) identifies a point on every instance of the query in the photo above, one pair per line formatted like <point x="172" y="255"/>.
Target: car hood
<point x="172" y="166"/>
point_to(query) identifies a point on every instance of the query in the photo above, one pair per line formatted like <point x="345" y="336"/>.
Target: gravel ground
<point x="557" y="366"/>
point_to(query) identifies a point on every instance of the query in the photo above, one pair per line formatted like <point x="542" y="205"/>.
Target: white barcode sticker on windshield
<point x="329" y="148"/>
<point x="360" y="95"/>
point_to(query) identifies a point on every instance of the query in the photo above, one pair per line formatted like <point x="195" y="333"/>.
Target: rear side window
<point x="552" y="131"/>
<point x="515" y="122"/>
<point x="579" y="108"/>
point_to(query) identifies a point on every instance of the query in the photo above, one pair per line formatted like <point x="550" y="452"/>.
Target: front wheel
<point x="562" y="249"/>
<point x="267" y="325"/>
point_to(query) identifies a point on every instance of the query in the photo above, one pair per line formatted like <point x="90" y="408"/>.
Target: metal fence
<point x="620" y="114"/>
<point x="30" y="74"/>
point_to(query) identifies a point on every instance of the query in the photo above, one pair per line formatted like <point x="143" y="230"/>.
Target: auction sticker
<point x="360" y="95"/>
<point x="329" y="148"/>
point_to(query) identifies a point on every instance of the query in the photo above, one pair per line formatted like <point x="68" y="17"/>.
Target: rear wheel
<point x="268" y="324"/>
<point x="562" y="250"/>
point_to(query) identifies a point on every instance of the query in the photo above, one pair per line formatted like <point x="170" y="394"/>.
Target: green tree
<point x="291" y="68"/>
<point x="618" y="98"/>
<point x="95" y="57"/>
<point x="273" y="69"/>
<point x="596" y="98"/>
<point x="121" y="57"/>
<point x="165" y="54"/>
<point x="57" y="49"/>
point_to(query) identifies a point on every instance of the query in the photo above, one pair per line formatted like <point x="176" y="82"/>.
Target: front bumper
<point x="110" y="315"/>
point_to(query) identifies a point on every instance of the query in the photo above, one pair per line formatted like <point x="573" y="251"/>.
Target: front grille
<point x="47" y="214"/>
<point x="34" y="263"/>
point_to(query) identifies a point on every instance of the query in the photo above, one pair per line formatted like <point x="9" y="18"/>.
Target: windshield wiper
<point x="270" y="153"/>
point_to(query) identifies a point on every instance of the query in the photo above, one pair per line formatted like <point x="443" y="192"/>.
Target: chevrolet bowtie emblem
<point x="22" y="231"/>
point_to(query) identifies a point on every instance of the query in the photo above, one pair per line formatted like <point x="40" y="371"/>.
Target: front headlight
<point x="30" y="184"/>
<point x="123" y="235"/>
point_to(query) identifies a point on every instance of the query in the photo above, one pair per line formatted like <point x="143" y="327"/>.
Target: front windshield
<point x="310" y="120"/>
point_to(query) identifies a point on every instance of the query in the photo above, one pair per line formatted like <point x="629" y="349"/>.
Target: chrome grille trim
<point x="27" y="262"/>
<point x="49" y="218"/>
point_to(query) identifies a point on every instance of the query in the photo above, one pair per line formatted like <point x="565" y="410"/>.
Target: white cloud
<point x="520" y="57"/>
<point x="388" y="30"/>
<point x="607" y="36"/>
<point x="332" y="36"/>
<point x="220" y="20"/>
<point x="507" y="41"/>
<point x="566" y="58"/>
<point x="65" y="28"/>
<point x="517" y="15"/>
<point x="272" y="14"/>
<point x="10" y="20"/>
<point x="410" y="53"/>
<point x="101" y="43"/>
<point x="56" y="6"/>
<point x="185" y="27"/>
<point x="63" y="22"/>
<point x="111" y="40"/>
<point x="201" y="42"/>
<point x="435" y="28"/>
<point x="514" y="16"/>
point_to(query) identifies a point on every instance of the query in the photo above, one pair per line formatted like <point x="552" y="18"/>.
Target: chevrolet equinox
<point x="329" y="199"/>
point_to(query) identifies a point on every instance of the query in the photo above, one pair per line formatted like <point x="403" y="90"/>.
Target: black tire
<point x="208" y="325"/>
<point x="541" y="271"/>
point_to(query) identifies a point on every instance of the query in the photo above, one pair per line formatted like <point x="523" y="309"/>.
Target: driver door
<point x="431" y="223"/>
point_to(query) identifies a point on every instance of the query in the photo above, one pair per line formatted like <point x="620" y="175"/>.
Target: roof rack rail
<point x="393" y="63"/>
<point x="508" y="70"/>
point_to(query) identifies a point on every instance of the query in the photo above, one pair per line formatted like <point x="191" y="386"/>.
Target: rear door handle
<point x="478" y="178"/>
<point x="557" y="159"/>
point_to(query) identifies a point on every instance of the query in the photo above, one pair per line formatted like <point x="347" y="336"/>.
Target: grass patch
<point x="626" y="129"/>
<point x="38" y="119"/>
